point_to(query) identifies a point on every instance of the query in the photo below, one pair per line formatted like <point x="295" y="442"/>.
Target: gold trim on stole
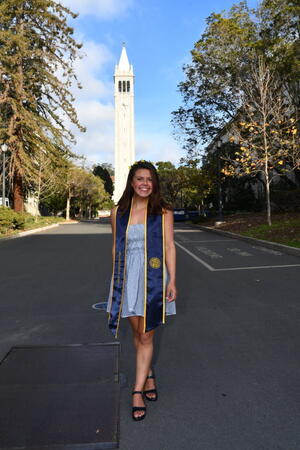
<point x="124" y="273"/>
<point x="114" y="257"/>
<point x="145" y="265"/>
<point x="164" y="268"/>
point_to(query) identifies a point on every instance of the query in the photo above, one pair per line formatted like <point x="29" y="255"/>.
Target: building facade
<point x="124" y="122"/>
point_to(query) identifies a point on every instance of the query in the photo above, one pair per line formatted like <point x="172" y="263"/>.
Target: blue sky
<point x="159" y="35"/>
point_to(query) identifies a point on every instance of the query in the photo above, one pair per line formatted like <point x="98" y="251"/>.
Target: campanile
<point x="124" y="122"/>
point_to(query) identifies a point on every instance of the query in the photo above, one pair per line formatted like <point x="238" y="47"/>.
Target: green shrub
<point x="19" y="221"/>
<point x="11" y="221"/>
<point x="7" y="217"/>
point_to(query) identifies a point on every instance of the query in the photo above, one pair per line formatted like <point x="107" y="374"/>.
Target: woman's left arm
<point x="170" y="250"/>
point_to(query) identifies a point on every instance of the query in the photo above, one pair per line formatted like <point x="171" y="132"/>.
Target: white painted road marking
<point x="238" y="251"/>
<point x="195" y="257"/>
<point x="212" y="269"/>
<point x="204" y="241"/>
<point x="208" y="252"/>
<point x="178" y="230"/>
<point x="268" y="250"/>
<point x="257" y="267"/>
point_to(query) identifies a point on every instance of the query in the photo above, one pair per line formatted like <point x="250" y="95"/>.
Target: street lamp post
<point x="4" y="149"/>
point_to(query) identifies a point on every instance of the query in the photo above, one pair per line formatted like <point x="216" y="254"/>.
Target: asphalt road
<point x="227" y="366"/>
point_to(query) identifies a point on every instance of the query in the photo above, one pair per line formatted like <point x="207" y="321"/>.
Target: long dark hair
<point x="156" y="204"/>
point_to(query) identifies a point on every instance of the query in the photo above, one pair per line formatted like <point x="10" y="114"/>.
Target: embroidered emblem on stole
<point x="154" y="263"/>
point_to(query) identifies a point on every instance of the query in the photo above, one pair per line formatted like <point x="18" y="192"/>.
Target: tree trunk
<point x="18" y="200"/>
<point x="268" y="198"/>
<point x="68" y="206"/>
<point x="266" y="170"/>
<point x="38" y="195"/>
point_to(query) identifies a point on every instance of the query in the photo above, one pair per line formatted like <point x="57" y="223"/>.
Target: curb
<point x="273" y="245"/>
<point x="34" y="230"/>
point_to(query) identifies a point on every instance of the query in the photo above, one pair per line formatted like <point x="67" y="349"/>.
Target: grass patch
<point x="284" y="230"/>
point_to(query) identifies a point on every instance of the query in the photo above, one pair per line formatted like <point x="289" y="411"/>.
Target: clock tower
<point x="124" y="122"/>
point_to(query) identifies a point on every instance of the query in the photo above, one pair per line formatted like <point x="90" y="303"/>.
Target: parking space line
<point x="187" y="230"/>
<point x="195" y="257"/>
<point x="278" y="266"/>
<point x="206" y="240"/>
<point x="225" y="269"/>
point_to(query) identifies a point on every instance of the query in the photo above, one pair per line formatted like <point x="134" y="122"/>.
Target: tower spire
<point x="124" y="65"/>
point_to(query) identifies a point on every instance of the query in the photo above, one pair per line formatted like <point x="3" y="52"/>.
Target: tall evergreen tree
<point x="37" y="52"/>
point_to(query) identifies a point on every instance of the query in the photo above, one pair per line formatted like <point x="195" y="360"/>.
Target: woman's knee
<point x="144" y="338"/>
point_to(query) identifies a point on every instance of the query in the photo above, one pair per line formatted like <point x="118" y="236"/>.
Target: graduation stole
<point x="154" y="288"/>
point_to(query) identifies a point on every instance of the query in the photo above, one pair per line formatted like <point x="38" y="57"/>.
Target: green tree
<point x="109" y="168"/>
<point x="85" y="190"/>
<point x="280" y="33"/>
<point x="37" y="52"/>
<point x="47" y="180"/>
<point x="210" y="92"/>
<point x="268" y="134"/>
<point x="170" y="181"/>
<point x="184" y="186"/>
<point x="223" y="55"/>
<point x="103" y="172"/>
<point x="226" y="85"/>
<point x="197" y="183"/>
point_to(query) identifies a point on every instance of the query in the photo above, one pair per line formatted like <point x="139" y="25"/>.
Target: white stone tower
<point x="124" y="122"/>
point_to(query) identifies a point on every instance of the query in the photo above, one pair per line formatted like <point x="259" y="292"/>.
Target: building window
<point x="128" y="86"/>
<point x="124" y="86"/>
<point x="120" y="86"/>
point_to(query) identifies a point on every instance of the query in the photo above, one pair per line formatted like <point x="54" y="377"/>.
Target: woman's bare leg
<point x="144" y="350"/>
<point x="149" y="383"/>
<point x="134" y="322"/>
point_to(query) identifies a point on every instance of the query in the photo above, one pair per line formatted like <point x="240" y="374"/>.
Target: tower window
<point x="120" y="86"/>
<point x="128" y="86"/>
<point x="124" y="86"/>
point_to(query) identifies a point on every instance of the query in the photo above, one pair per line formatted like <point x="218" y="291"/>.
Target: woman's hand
<point x="171" y="292"/>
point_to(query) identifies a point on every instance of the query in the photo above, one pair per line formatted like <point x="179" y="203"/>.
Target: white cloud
<point x="103" y="9"/>
<point x="90" y="71"/>
<point x="94" y="104"/>
<point x="98" y="142"/>
<point x="157" y="147"/>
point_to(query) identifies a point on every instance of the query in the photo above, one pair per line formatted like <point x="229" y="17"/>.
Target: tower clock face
<point x="124" y="106"/>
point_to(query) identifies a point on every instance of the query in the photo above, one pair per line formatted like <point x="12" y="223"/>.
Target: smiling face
<point x="142" y="183"/>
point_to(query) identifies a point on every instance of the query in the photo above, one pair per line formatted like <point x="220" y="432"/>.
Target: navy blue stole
<point x="154" y="250"/>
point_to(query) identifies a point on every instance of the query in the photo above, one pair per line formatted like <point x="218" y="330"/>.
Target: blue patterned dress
<point x="133" y="302"/>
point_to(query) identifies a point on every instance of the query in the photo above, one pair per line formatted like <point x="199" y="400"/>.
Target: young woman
<point x="142" y="289"/>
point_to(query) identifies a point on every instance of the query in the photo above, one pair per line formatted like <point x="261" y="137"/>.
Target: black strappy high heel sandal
<point x="138" y="408"/>
<point x="151" y="391"/>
